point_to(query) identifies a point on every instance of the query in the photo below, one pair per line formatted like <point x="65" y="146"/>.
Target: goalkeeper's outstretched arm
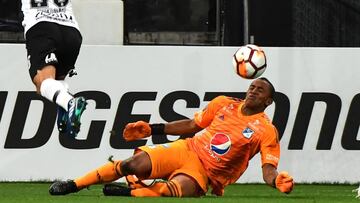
<point x="181" y="127"/>
<point x="142" y="129"/>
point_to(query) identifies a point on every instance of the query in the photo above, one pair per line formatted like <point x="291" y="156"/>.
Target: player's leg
<point x="68" y="52"/>
<point x="42" y="59"/>
<point x="187" y="177"/>
<point x="107" y="173"/>
<point x="114" y="189"/>
<point x="134" y="182"/>
<point x="180" y="185"/>
<point x="54" y="91"/>
<point x="139" y="164"/>
<point x="62" y="115"/>
<point x="43" y="73"/>
<point x="42" y="46"/>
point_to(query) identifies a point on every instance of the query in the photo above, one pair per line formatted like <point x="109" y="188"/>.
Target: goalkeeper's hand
<point x="137" y="130"/>
<point x="284" y="182"/>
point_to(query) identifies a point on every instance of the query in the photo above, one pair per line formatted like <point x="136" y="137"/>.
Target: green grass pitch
<point x="303" y="193"/>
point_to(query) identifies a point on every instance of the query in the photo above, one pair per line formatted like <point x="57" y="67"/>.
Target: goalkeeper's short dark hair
<point x="272" y="88"/>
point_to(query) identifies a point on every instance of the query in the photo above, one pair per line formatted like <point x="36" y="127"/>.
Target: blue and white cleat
<point x="62" y="118"/>
<point x="76" y="107"/>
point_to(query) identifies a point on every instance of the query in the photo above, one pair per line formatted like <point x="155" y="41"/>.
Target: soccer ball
<point x="249" y="61"/>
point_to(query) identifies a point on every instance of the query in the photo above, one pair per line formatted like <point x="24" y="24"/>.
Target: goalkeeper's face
<point x="258" y="96"/>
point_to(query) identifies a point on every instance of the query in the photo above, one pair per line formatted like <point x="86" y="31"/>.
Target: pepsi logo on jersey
<point x="220" y="143"/>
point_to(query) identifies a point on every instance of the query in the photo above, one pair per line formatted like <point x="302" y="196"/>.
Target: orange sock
<point x="106" y="173"/>
<point x="169" y="189"/>
<point x="172" y="189"/>
<point x="152" y="191"/>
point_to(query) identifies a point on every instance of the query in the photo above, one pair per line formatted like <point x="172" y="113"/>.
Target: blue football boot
<point x="62" y="118"/>
<point x="76" y="107"/>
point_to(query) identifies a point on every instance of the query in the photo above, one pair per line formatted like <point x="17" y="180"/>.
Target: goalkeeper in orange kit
<point x="234" y="131"/>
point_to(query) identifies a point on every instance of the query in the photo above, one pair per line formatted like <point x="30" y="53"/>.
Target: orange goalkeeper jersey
<point x="230" y="139"/>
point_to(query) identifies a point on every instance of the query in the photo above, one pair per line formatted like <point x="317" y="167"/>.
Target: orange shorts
<point x="174" y="158"/>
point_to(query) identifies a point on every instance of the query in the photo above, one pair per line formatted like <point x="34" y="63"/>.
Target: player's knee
<point x="127" y="167"/>
<point x="139" y="165"/>
<point x="171" y="189"/>
<point x="131" y="167"/>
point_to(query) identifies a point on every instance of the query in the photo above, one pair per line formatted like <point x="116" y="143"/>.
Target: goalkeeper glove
<point x="284" y="182"/>
<point x="137" y="130"/>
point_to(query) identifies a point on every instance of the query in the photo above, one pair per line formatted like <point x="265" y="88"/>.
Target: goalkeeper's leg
<point x="179" y="186"/>
<point x="170" y="188"/>
<point x="139" y="164"/>
<point x="106" y="173"/>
